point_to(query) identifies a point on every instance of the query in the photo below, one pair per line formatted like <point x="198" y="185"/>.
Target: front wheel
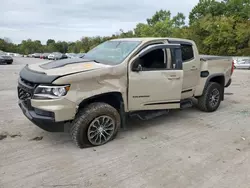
<point x="95" y="125"/>
<point x="211" y="98"/>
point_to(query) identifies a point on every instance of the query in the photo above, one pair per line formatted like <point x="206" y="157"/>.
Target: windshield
<point x="111" y="52"/>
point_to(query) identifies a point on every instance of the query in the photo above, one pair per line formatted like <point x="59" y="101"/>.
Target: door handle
<point x="193" y="68"/>
<point x="173" y="77"/>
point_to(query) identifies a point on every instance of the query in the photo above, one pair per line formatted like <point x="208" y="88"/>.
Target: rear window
<point x="187" y="52"/>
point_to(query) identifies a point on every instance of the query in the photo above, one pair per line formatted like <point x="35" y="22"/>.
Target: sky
<point x="70" y="20"/>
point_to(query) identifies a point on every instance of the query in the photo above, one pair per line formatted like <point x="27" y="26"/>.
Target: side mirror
<point x="137" y="68"/>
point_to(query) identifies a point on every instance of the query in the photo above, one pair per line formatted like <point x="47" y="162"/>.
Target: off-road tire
<point x="85" y="116"/>
<point x="203" y="101"/>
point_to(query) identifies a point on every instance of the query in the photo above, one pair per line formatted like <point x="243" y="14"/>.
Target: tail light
<point x="232" y="68"/>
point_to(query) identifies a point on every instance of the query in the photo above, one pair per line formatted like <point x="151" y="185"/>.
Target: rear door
<point x="191" y="66"/>
<point x="151" y="84"/>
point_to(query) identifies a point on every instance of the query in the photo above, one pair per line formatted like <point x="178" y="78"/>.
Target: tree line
<point x="218" y="28"/>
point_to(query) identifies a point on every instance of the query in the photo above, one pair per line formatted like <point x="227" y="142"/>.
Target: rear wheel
<point x="95" y="125"/>
<point x="211" y="99"/>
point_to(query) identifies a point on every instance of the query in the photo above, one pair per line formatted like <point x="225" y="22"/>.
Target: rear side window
<point x="187" y="52"/>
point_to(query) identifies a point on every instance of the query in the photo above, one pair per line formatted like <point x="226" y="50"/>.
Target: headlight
<point x="50" y="92"/>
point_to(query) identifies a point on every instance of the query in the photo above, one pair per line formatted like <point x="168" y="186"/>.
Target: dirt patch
<point x="209" y="126"/>
<point x="6" y="134"/>
<point x="228" y="93"/>
<point x="235" y="102"/>
<point x="38" y="138"/>
<point x="15" y="135"/>
<point x="244" y="112"/>
<point x="2" y="136"/>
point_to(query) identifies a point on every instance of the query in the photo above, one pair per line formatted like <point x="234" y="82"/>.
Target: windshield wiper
<point x="95" y="61"/>
<point x="91" y="60"/>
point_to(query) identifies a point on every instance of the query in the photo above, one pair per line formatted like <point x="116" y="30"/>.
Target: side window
<point x="153" y="60"/>
<point x="187" y="52"/>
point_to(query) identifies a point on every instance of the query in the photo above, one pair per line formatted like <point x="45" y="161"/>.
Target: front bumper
<point x="46" y="123"/>
<point x="50" y="115"/>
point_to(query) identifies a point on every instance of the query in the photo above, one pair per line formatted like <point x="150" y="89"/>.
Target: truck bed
<point x="213" y="57"/>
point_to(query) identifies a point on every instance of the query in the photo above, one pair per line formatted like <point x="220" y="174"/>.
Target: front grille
<point x="23" y="94"/>
<point x="28" y="83"/>
<point x="25" y="89"/>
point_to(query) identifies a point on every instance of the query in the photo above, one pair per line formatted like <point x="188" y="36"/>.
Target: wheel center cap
<point x="100" y="129"/>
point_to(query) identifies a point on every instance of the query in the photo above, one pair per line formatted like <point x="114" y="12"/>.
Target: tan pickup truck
<point x="133" y="76"/>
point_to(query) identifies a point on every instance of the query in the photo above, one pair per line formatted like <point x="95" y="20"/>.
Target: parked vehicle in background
<point x="64" y="56"/>
<point x="71" y="55"/>
<point x="80" y="55"/>
<point x="44" y="56"/>
<point x="56" y="56"/>
<point x="242" y="64"/>
<point x="17" y="55"/>
<point x="141" y="77"/>
<point x="5" y="59"/>
<point x="10" y="54"/>
<point x="36" y="55"/>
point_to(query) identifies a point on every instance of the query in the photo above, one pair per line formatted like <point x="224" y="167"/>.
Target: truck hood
<point x="66" y="66"/>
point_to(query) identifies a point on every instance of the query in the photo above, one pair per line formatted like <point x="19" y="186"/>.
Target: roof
<point x="146" y="39"/>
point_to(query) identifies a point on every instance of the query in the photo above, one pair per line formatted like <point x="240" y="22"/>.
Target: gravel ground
<point x="186" y="148"/>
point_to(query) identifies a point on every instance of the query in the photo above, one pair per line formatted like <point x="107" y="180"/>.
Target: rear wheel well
<point x="220" y="80"/>
<point x="113" y="98"/>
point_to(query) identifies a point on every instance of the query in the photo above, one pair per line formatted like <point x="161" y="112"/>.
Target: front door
<point x="153" y="85"/>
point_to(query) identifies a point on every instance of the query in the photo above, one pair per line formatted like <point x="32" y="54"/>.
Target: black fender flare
<point x="116" y="94"/>
<point x="229" y="82"/>
<point x="104" y="96"/>
<point x="211" y="77"/>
